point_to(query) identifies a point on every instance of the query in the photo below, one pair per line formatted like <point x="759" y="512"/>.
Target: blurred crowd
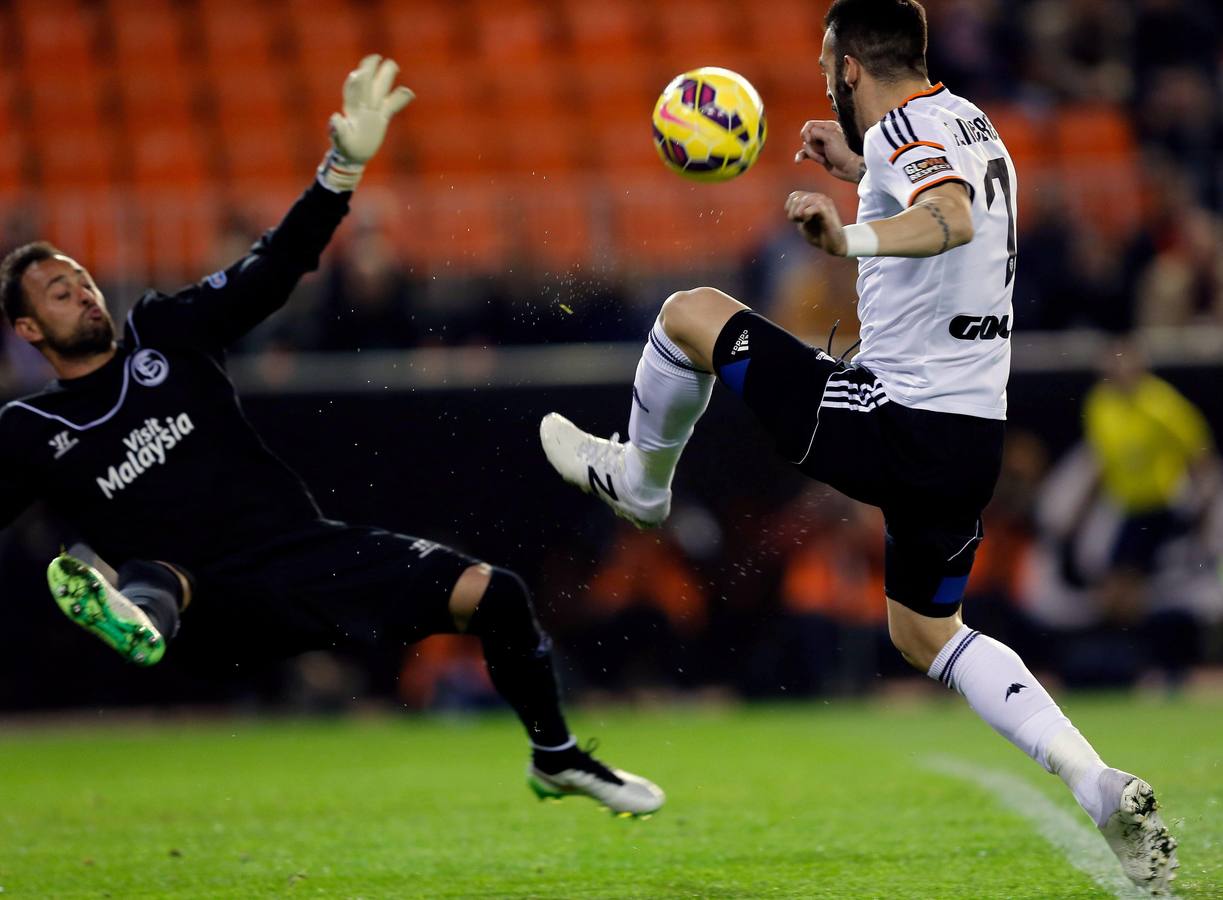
<point x="1102" y="567"/>
<point x="1144" y="252"/>
<point x="1102" y="564"/>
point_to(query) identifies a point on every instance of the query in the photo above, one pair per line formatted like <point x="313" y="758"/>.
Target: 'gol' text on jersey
<point x="936" y="331"/>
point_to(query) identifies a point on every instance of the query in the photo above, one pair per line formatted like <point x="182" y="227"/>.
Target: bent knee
<point x="692" y="319"/>
<point x="467" y="592"/>
<point x="920" y="638"/>
<point x="684" y="309"/>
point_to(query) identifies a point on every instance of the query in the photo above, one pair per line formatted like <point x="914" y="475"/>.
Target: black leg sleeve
<point x="519" y="657"/>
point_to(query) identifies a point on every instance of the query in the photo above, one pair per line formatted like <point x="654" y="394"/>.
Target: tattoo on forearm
<point x="938" y="217"/>
<point x="862" y="170"/>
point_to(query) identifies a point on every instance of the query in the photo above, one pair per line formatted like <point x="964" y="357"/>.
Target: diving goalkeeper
<point x="141" y="446"/>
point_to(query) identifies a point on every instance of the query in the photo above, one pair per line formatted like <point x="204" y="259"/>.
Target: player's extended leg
<point x="136" y="617"/>
<point x="1001" y="690"/>
<point x="670" y="392"/>
<point x="495" y="605"/>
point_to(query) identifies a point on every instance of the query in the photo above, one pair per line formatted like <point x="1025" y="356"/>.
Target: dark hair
<point x="12" y="269"/>
<point x="887" y="36"/>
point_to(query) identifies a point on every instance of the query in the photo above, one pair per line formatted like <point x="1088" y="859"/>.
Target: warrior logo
<point x="62" y="443"/>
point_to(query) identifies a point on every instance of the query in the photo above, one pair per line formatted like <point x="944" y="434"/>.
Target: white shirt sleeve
<point x="907" y="153"/>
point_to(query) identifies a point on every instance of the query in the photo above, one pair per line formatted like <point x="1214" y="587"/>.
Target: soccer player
<point x="142" y="446"/>
<point x="914" y="425"/>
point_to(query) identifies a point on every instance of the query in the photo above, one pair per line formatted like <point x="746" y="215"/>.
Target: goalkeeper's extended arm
<point x="357" y="133"/>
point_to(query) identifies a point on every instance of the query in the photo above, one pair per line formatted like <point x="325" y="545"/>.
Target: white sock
<point x="669" y="395"/>
<point x="1001" y="690"/>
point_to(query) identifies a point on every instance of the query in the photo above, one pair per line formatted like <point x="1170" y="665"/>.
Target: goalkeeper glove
<point x="357" y="133"/>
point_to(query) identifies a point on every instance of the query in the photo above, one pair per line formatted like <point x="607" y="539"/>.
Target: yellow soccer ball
<point x="709" y="124"/>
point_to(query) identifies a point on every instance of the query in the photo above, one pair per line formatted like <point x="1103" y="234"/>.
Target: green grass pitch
<point x="822" y="800"/>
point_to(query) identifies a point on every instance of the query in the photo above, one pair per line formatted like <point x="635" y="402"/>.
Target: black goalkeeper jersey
<point x="150" y="456"/>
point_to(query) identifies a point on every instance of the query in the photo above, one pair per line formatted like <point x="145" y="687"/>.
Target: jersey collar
<point x="928" y="92"/>
<point x="109" y="371"/>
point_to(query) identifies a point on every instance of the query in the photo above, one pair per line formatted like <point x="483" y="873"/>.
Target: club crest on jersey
<point x="924" y="168"/>
<point x="149" y="367"/>
<point x="62" y="443"/>
<point x="217" y="280"/>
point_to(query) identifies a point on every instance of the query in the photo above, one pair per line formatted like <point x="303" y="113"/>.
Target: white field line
<point x="1081" y="844"/>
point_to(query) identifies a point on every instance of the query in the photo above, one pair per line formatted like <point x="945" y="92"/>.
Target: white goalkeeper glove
<point x="357" y="133"/>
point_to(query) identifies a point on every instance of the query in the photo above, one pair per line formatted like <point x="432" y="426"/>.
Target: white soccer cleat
<point x="623" y="793"/>
<point x="597" y="467"/>
<point x="1135" y="831"/>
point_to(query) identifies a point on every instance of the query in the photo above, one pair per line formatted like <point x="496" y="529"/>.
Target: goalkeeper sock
<point x="156" y="590"/>
<point x="518" y="654"/>
<point x="1001" y="690"/>
<point x="669" y="395"/>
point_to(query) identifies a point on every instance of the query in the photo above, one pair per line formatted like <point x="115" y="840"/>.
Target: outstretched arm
<point x="18" y="482"/>
<point x="824" y="143"/>
<point x="229" y="303"/>
<point x="938" y="221"/>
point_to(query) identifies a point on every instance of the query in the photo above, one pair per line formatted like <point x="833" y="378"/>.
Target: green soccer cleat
<point x="89" y="600"/>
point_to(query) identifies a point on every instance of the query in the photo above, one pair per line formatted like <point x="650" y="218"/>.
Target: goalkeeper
<point x="142" y="447"/>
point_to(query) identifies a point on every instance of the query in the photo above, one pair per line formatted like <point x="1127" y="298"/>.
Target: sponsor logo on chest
<point x="146" y="446"/>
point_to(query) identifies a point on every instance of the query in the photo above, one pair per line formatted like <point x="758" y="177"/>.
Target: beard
<point x="89" y="339"/>
<point x="846" y="110"/>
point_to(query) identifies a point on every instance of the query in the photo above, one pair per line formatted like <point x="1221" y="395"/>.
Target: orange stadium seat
<point x="235" y="32"/>
<point x="257" y="135"/>
<point x="8" y="89"/>
<point x="792" y="30"/>
<point x="330" y="35"/>
<point x="438" y="92"/>
<point x="160" y="99"/>
<point x="1093" y="132"/>
<point x="147" y="34"/>
<point x="449" y="146"/>
<point x="85" y="160"/>
<point x="542" y="87"/>
<point x="56" y="34"/>
<point x="620" y="142"/>
<point x="12" y="162"/>
<point x="420" y="33"/>
<point x="77" y="100"/>
<point x="606" y="31"/>
<point x="1096" y="151"/>
<point x="512" y="31"/>
<point x="261" y="158"/>
<point x="691" y="38"/>
<point x="555" y="228"/>
<point x="540" y="144"/>
<point x="248" y="96"/>
<point x="603" y="88"/>
<point x="455" y="231"/>
<point x="168" y="158"/>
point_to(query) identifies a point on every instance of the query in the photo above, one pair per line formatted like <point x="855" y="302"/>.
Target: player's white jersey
<point x="936" y="331"/>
